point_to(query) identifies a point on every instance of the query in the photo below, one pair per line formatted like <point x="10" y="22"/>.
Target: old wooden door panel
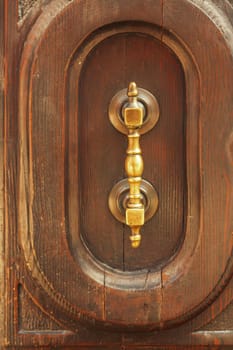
<point x="102" y="147"/>
<point x="71" y="259"/>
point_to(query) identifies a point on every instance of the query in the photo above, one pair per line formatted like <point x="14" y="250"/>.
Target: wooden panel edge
<point x="2" y="272"/>
<point x="2" y="250"/>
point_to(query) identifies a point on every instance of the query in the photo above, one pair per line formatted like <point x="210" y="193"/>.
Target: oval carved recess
<point x="101" y="148"/>
<point x="78" y="286"/>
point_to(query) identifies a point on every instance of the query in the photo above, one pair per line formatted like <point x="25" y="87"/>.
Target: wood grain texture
<point x="31" y="318"/>
<point x="47" y="254"/>
<point x="193" y="288"/>
<point x="24" y="6"/>
<point x="10" y="163"/>
<point x="2" y="243"/>
<point x="102" y="150"/>
<point x="220" y="235"/>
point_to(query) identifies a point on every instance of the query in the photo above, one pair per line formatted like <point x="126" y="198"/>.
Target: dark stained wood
<point x="30" y="317"/>
<point x="11" y="64"/>
<point x="57" y="293"/>
<point x="113" y="63"/>
<point x="2" y="262"/>
<point x="212" y="163"/>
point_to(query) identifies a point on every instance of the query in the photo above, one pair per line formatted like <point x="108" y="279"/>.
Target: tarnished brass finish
<point x="119" y="197"/>
<point x="129" y="118"/>
<point x="135" y="211"/>
<point x="147" y="102"/>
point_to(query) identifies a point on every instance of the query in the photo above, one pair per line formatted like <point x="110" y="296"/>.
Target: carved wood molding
<point x="183" y="260"/>
<point x="24" y="6"/>
<point x="30" y="267"/>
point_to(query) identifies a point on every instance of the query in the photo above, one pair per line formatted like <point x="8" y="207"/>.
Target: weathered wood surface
<point x="179" y="291"/>
<point x="2" y="243"/>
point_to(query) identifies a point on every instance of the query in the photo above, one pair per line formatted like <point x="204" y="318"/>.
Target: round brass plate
<point x="118" y="199"/>
<point x="146" y="98"/>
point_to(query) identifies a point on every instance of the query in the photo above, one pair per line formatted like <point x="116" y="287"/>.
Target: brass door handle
<point x="131" y="118"/>
<point x="135" y="211"/>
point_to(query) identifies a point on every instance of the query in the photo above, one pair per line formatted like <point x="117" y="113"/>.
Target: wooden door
<point x="70" y="277"/>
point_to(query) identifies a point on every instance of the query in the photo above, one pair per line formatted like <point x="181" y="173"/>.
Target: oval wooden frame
<point x="101" y="273"/>
<point x="199" y="80"/>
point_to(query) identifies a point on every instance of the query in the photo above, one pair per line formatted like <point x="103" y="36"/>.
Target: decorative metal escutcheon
<point x="134" y="200"/>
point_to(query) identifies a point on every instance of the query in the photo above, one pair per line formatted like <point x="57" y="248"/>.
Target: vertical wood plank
<point x="11" y="50"/>
<point x="11" y="64"/>
<point x="2" y="275"/>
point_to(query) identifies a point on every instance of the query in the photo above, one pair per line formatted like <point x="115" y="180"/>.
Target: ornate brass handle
<point x="133" y="117"/>
<point x="135" y="211"/>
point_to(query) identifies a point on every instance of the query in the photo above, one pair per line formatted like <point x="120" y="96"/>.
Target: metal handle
<point x="135" y="211"/>
<point x="135" y="197"/>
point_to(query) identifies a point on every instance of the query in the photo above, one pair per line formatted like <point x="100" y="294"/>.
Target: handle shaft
<point x="135" y="211"/>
